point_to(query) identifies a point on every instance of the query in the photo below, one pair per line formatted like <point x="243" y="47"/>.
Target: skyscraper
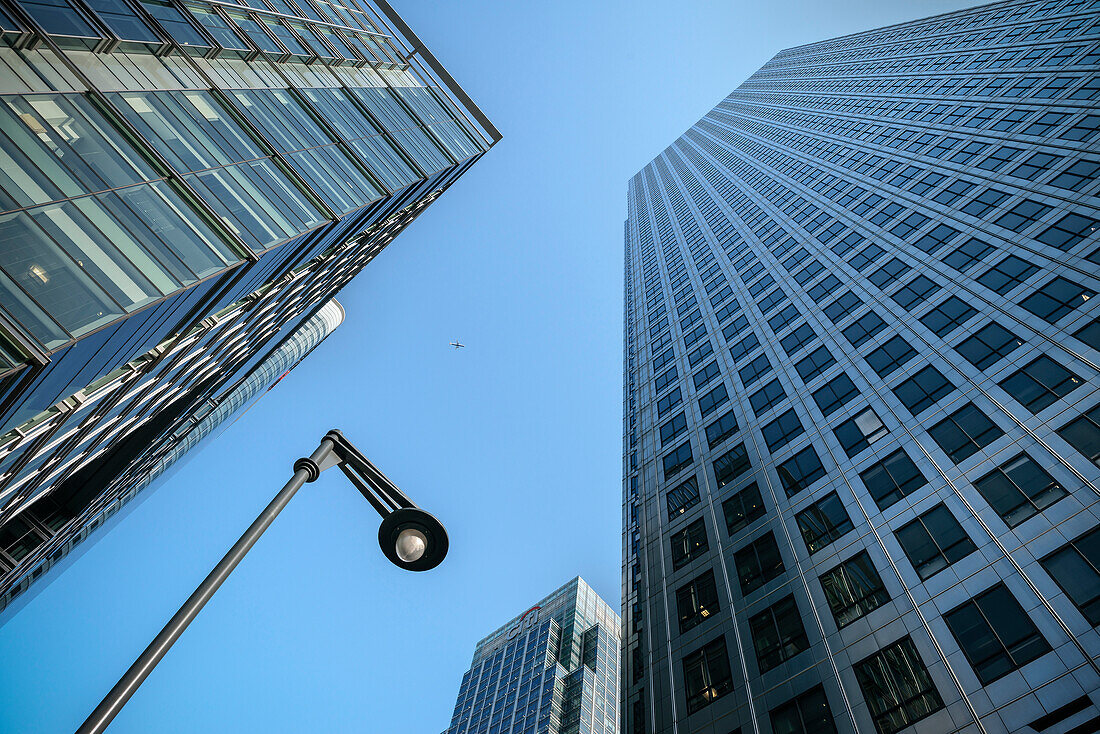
<point x="861" y="412"/>
<point x="554" y="669"/>
<point x="184" y="185"/>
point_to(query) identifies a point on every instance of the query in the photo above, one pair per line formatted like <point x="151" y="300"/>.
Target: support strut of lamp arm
<point x="410" y="538"/>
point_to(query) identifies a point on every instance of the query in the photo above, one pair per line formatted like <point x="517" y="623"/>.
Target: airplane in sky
<point x="457" y="345"/>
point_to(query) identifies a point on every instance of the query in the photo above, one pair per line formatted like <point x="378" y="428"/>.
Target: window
<point x="700" y="353"/>
<point x="922" y="390"/>
<point x="807" y="713"/>
<point x="1084" y="129"/>
<point x="964" y="432"/>
<point x="861" y="260"/>
<point x="1040" y="384"/>
<point x="889" y="273"/>
<point x="761" y="285"/>
<point x="668" y="402"/>
<point x="800" y="471"/>
<point x="1083" y="434"/>
<point x="1076" y="568"/>
<point x="841" y="307"/>
<point x="953" y="192"/>
<point x="797" y="339"/>
<point x="859" y="432"/>
<point x="731" y="465"/>
<point x="999" y="158"/>
<point x="782" y="430"/>
<point x="1019" y="489"/>
<point x="809" y="272"/>
<point x="897" y="687"/>
<point x="1007" y="274"/>
<point x="742" y="508"/>
<point x="1068" y="231"/>
<point x="705" y="375"/>
<point x="948" y="316"/>
<point x="770" y="301"/>
<point x="665" y="379"/>
<point x="823" y="522"/>
<point x="780" y="321"/>
<point x="662" y="359"/>
<point x="835" y="394"/>
<point x="677" y="460"/>
<point x="754" y="370"/>
<point x="743" y="347"/>
<point x="853" y="589"/>
<point x="707" y="675"/>
<point x="968" y="254"/>
<point x="1023" y="215"/>
<point x="939" y="237"/>
<point x="758" y="563"/>
<point x="1090" y="334"/>
<point x="1036" y="166"/>
<point x="863" y="328"/>
<point x="894" y="477"/>
<point x="915" y="292"/>
<point x="986" y="347"/>
<point x="1056" y="299"/>
<point x="890" y="356"/>
<point x="823" y="289"/>
<point x="767" y="398"/>
<point x="812" y="366"/>
<point x="721" y="429"/>
<point x="738" y="325"/>
<point x="909" y="225"/>
<point x="673" y="428"/>
<point x="696" y="601"/>
<point x="713" y="400"/>
<point x="695" y="335"/>
<point x="778" y="634"/>
<point x="995" y="634"/>
<point x="985" y="202"/>
<point x="689" y="544"/>
<point x="934" y="541"/>
<point x="1077" y="176"/>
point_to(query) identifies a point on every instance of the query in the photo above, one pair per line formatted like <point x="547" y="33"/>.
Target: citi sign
<point x="529" y="619"/>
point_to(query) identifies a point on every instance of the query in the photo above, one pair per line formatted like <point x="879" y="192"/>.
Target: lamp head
<point x="412" y="539"/>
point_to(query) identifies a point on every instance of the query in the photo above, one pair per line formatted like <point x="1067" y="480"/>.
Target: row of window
<point x="994" y="26"/>
<point x="894" y="681"/>
<point x="993" y="630"/>
<point x="1017" y="489"/>
<point x="327" y="31"/>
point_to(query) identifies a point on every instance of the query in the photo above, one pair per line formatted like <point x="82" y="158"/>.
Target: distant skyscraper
<point x="862" y="406"/>
<point x="554" y="669"/>
<point x="183" y="185"/>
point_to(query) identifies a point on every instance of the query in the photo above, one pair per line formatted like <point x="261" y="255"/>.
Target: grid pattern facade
<point x="552" y="670"/>
<point x="183" y="185"/>
<point x="861" y="407"/>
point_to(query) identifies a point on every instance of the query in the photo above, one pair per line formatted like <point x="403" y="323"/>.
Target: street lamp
<point x="410" y="537"/>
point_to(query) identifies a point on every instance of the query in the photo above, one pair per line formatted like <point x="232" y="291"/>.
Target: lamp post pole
<point x="413" y="539"/>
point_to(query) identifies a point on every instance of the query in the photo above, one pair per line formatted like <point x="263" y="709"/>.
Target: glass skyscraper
<point x="184" y="185"/>
<point x="554" y="669"/>
<point x="862" y="407"/>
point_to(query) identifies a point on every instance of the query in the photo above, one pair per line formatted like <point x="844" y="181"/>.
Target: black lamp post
<point x="410" y="537"/>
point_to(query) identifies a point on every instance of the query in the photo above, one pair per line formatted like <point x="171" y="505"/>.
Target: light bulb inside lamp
<point x="411" y="545"/>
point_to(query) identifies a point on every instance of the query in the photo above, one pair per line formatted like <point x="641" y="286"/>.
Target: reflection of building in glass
<point x="552" y="670"/>
<point x="862" y="431"/>
<point x="181" y="186"/>
<point x="208" y="417"/>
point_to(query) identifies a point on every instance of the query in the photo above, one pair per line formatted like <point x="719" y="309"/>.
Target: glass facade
<point x="862" y="405"/>
<point x="552" y="670"/>
<point x="182" y="186"/>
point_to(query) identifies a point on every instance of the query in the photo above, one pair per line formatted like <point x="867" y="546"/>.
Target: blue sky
<point x="514" y="443"/>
